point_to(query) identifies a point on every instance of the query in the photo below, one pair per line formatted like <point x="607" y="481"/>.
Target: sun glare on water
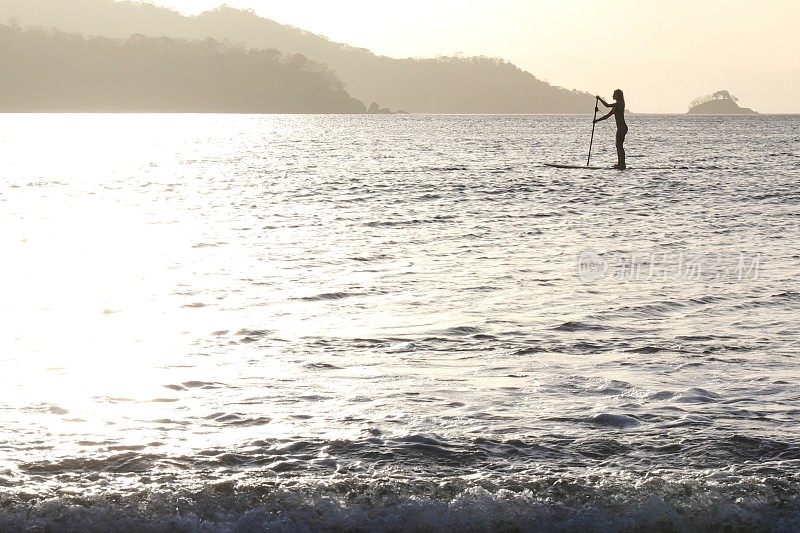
<point x="107" y="301"/>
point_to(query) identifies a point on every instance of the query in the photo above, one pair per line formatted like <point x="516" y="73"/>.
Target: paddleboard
<point x="577" y="167"/>
<point x="582" y="167"/>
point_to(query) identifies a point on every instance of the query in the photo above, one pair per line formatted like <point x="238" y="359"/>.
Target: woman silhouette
<point x="618" y="110"/>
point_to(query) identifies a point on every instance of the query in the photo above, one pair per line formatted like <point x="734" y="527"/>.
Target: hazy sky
<point x="582" y="44"/>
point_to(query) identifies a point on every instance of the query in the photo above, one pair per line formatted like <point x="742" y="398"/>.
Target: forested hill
<point x="442" y="85"/>
<point x="52" y="71"/>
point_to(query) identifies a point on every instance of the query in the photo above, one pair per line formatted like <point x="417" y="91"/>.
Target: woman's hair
<point x="618" y="95"/>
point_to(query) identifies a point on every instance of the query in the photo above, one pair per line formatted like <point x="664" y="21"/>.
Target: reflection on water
<point x="316" y="301"/>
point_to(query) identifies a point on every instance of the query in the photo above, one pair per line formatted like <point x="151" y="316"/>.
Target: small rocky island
<point x="375" y="109"/>
<point x="719" y="103"/>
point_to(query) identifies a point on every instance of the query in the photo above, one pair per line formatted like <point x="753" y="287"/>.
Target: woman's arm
<point x="604" y="102"/>
<point x="610" y="113"/>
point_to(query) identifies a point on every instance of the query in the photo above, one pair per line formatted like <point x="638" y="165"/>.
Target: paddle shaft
<point x="589" y="159"/>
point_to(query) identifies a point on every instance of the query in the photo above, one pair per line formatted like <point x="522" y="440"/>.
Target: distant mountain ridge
<point x="443" y="85"/>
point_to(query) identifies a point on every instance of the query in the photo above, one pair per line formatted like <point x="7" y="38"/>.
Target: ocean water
<point x="405" y="323"/>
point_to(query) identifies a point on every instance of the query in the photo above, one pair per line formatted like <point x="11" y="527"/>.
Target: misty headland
<point x="48" y="71"/>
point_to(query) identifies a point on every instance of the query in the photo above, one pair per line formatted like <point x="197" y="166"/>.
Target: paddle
<point x="596" y="109"/>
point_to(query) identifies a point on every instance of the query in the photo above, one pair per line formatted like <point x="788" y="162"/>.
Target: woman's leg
<point x="621" y="148"/>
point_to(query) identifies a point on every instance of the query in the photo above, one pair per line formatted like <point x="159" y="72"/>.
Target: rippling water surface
<point x="407" y="322"/>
